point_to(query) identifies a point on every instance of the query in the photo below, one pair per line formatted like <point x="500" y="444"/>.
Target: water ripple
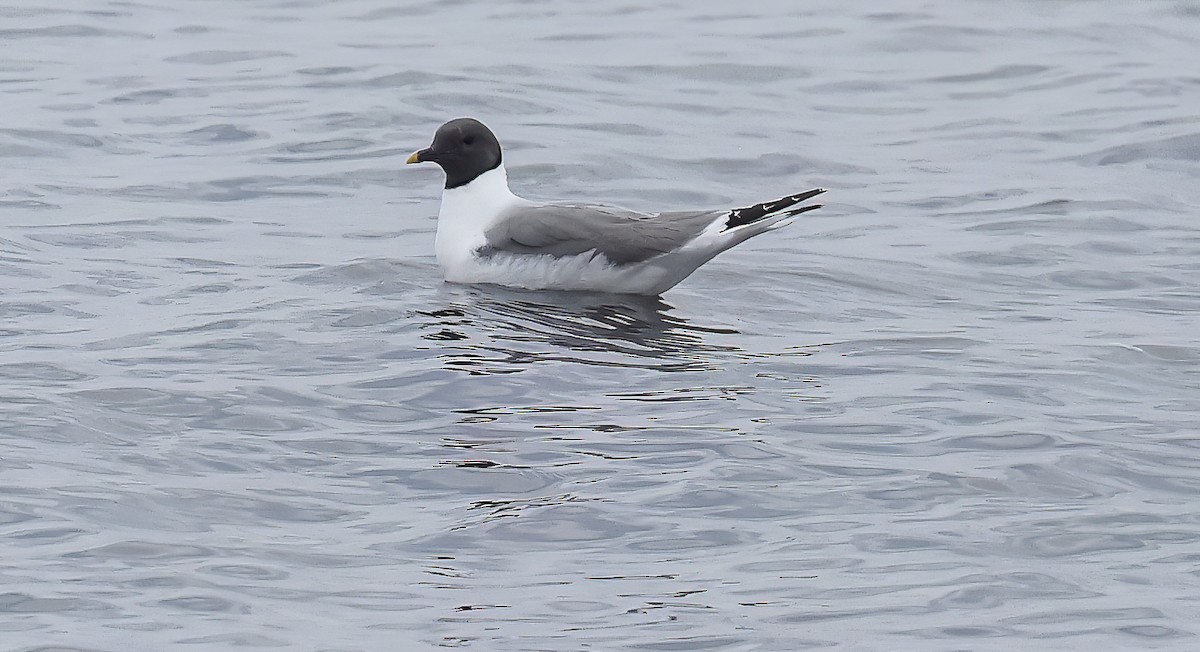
<point x="953" y="409"/>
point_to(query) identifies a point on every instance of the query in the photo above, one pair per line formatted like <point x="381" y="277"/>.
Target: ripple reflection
<point x="497" y="331"/>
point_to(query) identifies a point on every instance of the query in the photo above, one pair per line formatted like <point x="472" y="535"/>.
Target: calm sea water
<point x="957" y="409"/>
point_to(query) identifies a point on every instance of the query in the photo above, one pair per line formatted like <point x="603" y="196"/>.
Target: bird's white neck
<point x="469" y="210"/>
<point x="481" y="199"/>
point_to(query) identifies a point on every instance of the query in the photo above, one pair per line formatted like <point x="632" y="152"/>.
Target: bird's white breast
<point x="465" y="216"/>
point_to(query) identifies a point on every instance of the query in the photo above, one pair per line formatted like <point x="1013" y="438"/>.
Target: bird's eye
<point x="468" y="140"/>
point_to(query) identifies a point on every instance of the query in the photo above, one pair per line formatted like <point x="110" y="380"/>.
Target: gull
<point x="486" y="234"/>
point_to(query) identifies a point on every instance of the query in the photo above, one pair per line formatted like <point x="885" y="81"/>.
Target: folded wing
<point x="623" y="237"/>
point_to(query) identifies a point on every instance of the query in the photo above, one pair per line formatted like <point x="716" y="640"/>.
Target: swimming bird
<point x="486" y="234"/>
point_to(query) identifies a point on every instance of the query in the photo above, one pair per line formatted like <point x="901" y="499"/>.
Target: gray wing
<point x="623" y="237"/>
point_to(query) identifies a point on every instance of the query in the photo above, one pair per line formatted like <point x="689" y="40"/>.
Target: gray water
<point x="956" y="409"/>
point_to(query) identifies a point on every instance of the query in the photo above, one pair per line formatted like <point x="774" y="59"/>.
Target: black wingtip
<point x="807" y="195"/>
<point x="804" y="209"/>
<point x="750" y="214"/>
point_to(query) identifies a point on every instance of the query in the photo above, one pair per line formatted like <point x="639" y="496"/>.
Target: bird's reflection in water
<point x="498" y="330"/>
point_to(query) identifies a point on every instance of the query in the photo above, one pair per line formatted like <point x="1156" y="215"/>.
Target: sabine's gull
<point x="486" y="234"/>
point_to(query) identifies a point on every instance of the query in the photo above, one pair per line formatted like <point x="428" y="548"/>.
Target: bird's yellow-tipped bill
<point x="414" y="158"/>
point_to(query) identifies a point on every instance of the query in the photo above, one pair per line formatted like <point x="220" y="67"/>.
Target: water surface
<point x="956" y="409"/>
